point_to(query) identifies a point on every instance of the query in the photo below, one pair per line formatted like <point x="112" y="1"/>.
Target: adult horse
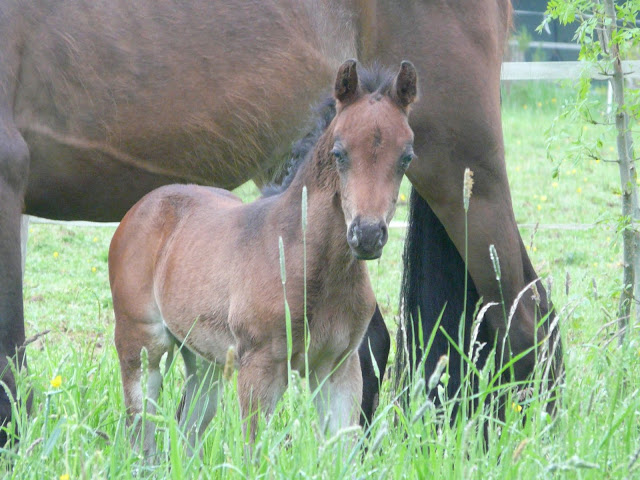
<point x="101" y="102"/>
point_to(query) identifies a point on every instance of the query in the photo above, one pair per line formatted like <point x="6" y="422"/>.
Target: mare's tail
<point x="432" y="296"/>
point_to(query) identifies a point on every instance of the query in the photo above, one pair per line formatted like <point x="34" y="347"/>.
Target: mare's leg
<point x="340" y="394"/>
<point x="14" y="159"/>
<point x="457" y="125"/>
<point x="262" y="380"/>
<point x="491" y="222"/>
<point x="376" y="342"/>
<point x="129" y="344"/>
<point x="24" y="234"/>
<point x="200" y="398"/>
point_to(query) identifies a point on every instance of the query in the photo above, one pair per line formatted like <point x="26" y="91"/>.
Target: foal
<point x="193" y="266"/>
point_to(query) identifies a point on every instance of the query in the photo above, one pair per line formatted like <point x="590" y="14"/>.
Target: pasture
<point x="77" y="427"/>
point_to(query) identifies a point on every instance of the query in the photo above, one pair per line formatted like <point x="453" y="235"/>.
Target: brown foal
<point x="195" y="267"/>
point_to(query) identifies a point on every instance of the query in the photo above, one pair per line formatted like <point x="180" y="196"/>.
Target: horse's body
<point x="193" y="266"/>
<point x="101" y="102"/>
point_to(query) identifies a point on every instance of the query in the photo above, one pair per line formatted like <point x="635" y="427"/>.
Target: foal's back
<point x="147" y="264"/>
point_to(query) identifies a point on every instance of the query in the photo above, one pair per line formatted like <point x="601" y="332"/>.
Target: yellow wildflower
<point x="95" y="239"/>
<point x="55" y="254"/>
<point x="64" y="476"/>
<point x="579" y="189"/>
<point x="539" y="207"/>
<point x="56" y="381"/>
<point x="554" y="184"/>
<point x="524" y="107"/>
<point x="516" y="407"/>
<point x="543" y="198"/>
<point x="553" y="100"/>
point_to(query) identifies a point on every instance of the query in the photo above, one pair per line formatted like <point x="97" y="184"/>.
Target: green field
<point x="77" y="428"/>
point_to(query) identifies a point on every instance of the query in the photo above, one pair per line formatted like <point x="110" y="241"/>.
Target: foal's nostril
<point x="354" y="233"/>
<point x="384" y="234"/>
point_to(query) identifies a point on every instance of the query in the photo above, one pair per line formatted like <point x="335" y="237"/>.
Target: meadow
<point x="569" y="224"/>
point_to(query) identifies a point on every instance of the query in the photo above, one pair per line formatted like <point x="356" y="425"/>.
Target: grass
<point x="78" y="429"/>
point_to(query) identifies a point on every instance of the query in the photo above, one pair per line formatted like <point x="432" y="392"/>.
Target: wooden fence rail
<point x="518" y="71"/>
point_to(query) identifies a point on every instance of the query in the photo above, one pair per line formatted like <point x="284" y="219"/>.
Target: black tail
<point x="374" y="347"/>
<point x="433" y="285"/>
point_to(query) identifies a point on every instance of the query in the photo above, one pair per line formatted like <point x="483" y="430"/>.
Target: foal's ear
<point x="346" y="88"/>
<point x="405" y="86"/>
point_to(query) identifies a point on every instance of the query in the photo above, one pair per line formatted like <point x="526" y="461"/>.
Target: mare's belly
<point x="101" y="183"/>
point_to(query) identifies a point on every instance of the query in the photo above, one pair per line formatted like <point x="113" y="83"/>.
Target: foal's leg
<point x="262" y="380"/>
<point x="129" y="343"/>
<point x="200" y="399"/>
<point x="340" y="395"/>
<point x="133" y="399"/>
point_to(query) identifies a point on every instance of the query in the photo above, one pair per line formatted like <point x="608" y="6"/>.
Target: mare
<point x="195" y="267"/>
<point x="101" y="102"/>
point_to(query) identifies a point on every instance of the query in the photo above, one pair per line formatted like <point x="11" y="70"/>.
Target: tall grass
<point x="595" y="434"/>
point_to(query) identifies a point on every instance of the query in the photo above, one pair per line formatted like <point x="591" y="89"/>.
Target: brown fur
<point x="193" y="265"/>
<point x="101" y="102"/>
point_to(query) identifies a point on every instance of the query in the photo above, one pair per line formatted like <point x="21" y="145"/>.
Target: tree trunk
<point x="628" y="175"/>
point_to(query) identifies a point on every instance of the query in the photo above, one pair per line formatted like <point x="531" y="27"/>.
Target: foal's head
<point x="373" y="146"/>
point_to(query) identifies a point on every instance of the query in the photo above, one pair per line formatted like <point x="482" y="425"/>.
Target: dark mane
<point x="376" y="79"/>
<point x="300" y="150"/>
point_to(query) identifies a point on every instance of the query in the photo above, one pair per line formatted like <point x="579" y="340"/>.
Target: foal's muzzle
<point x="367" y="238"/>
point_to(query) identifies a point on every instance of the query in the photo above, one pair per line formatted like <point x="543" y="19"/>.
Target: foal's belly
<point x="192" y="284"/>
<point x="200" y="325"/>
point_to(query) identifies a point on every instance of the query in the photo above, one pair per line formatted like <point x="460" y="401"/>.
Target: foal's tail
<point x="432" y="296"/>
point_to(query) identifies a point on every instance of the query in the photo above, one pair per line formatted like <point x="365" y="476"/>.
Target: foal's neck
<point x="325" y="219"/>
<point x="318" y="171"/>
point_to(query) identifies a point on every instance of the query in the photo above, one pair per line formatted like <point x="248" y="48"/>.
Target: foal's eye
<point x="340" y="156"/>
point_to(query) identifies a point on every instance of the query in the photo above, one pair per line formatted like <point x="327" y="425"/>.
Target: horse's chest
<point x="337" y="329"/>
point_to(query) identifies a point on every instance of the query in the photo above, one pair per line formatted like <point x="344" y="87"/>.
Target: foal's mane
<point x="375" y="79"/>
